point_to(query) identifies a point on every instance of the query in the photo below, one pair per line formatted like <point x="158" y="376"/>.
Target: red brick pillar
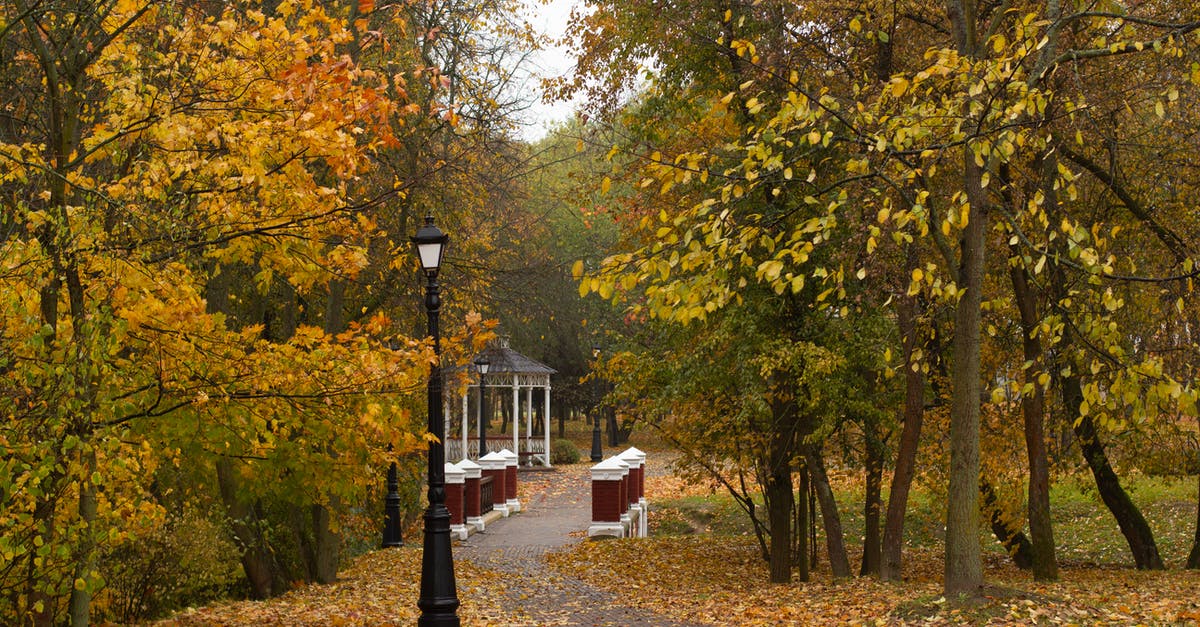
<point x="607" y="498"/>
<point x="472" y="508"/>
<point x="455" y="496"/>
<point x="495" y="466"/>
<point x="510" y="481"/>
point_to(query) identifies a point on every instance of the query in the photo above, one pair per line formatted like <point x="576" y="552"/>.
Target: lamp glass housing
<point x="431" y="243"/>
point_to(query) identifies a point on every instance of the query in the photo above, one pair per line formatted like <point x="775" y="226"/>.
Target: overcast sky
<point x="550" y="19"/>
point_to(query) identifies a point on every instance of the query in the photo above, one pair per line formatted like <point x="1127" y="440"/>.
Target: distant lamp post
<point x="439" y="599"/>
<point x="391" y="510"/>
<point x="597" y="452"/>
<point x="482" y="364"/>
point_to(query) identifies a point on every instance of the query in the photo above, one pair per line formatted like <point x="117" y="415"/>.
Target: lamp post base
<point x="439" y="598"/>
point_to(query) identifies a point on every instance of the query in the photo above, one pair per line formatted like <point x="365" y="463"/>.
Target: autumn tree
<point x="167" y="170"/>
<point x="970" y="139"/>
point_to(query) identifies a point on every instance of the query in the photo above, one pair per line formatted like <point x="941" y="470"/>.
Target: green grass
<point x="1085" y="532"/>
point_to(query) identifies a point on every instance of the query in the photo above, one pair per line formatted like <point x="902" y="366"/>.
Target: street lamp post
<point x="439" y="599"/>
<point x="391" y="510"/>
<point x="482" y="364"/>
<point x="597" y="452"/>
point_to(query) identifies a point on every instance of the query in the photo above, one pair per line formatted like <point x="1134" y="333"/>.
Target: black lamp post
<point x="597" y="452"/>
<point x="439" y="599"/>
<point x="391" y="510"/>
<point x="482" y="364"/>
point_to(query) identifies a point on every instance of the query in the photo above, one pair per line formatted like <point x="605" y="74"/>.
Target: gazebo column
<point x="546" y="424"/>
<point x="516" y="414"/>
<point x="445" y="434"/>
<point x="528" y="423"/>
<point x="465" y="429"/>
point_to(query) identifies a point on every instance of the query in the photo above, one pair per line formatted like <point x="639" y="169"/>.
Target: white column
<point x="546" y="426"/>
<point x="516" y="415"/>
<point x="528" y="422"/>
<point x="445" y="434"/>
<point x="465" y="423"/>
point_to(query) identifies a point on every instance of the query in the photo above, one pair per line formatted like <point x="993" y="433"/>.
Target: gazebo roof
<point x="505" y="360"/>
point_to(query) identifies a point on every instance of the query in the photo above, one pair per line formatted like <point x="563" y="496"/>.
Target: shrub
<point x="189" y="561"/>
<point x="563" y="452"/>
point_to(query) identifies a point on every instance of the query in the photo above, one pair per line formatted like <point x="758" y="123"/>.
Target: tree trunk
<point x="778" y="494"/>
<point x="801" y="526"/>
<point x="1009" y="534"/>
<point x="835" y="542"/>
<point x="1033" y="409"/>
<point x="910" y="437"/>
<point x="1129" y="518"/>
<point x="1193" y="560"/>
<point x="873" y="502"/>
<point x="779" y="497"/>
<point x="81" y="598"/>
<point x="265" y="580"/>
<point x="327" y="544"/>
<point x="964" y="561"/>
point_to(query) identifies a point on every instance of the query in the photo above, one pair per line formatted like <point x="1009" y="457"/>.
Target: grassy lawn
<point x="1085" y="532"/>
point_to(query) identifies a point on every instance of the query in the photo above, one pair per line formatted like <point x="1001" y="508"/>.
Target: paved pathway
<point x="556" y="516"/>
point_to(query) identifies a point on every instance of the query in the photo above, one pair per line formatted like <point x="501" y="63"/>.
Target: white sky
<point x="549" y="18"/>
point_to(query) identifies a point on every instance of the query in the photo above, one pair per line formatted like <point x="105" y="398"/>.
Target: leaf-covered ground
<point x="703" y="570"/>
<point x="379" y="588"/>
<point x="721" y="580"/>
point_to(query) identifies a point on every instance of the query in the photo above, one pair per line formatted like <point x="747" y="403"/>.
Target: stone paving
<point x="556" y="516"/>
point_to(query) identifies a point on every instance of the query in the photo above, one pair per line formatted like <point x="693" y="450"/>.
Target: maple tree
<point x="179" y="190"/>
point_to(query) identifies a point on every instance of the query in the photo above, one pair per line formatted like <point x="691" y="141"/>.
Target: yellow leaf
<point x="577" y="269"/>
<point x="605" y="185"/>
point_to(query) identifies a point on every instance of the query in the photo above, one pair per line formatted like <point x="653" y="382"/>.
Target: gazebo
<point x="508" y="369"/>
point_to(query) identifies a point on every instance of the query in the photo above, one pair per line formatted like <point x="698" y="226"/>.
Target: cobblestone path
<point x="556" y="516"/>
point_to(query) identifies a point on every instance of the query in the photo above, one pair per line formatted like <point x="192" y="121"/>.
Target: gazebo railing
<point x="534" y="447"/>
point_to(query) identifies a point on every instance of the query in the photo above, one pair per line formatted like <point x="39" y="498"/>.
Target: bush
<point x="563" y="452"/>
<point x="188" y="561"/>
